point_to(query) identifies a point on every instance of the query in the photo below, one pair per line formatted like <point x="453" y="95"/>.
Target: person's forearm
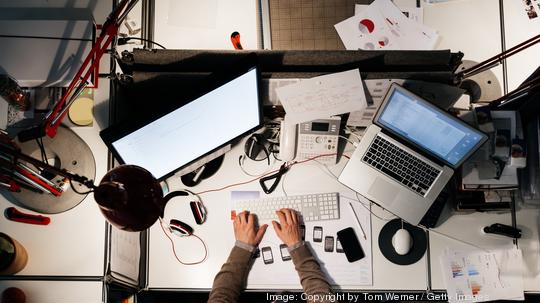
<point x="231" y="279"/>
<point x="311" y="276"/>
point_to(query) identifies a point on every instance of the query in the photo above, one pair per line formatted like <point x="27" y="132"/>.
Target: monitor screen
<point x="433" y="130"/>
<point x="194" y="130"/>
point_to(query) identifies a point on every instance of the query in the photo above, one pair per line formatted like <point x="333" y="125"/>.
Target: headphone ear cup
<point x="180" y="228"/>
<point x="199" y="213"/>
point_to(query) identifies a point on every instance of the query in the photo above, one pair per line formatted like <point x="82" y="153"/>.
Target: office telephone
<point x="310" y="139"/>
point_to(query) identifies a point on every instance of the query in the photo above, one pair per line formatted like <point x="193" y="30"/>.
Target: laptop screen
<point x="428" y="127"/>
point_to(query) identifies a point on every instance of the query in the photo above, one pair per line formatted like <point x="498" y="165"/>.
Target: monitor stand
<point x="206" y="171"/>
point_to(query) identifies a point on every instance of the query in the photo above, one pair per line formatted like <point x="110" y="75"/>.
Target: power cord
<point x="124" y="40"/>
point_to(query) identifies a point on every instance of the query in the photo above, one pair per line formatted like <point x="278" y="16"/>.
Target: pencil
<point x="358" y="221"/>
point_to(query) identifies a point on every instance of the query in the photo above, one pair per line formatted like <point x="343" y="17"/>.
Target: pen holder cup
<point x="13" y="256"/>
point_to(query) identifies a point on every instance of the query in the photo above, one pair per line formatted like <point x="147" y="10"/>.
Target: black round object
<point x="210" y="169"/>
<point x="418" y="248"/>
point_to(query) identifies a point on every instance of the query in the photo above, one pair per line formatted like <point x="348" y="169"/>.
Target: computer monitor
<point x="229" y="108"/>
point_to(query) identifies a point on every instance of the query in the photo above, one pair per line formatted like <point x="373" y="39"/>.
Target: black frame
<point x="212" y="82"/>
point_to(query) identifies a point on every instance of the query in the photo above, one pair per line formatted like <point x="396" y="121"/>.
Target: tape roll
<point x="80" y="112"/>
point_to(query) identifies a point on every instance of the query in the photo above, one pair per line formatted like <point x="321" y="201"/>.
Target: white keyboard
<point x="313" y="207"/>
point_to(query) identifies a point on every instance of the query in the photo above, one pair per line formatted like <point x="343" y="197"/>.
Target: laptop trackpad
<point x="383" y="191"/>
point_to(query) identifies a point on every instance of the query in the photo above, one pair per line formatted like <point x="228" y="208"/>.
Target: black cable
<point x="78" y="192"/>
<point x="122" y="41"/>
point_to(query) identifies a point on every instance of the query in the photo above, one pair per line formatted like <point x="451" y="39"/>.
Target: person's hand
<point x="245" y="229"/>
<point x="288" y="228"/>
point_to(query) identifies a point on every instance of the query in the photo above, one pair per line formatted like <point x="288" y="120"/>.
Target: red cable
<point x="174" y="250"/>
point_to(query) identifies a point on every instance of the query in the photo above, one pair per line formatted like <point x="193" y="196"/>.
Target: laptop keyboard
<point x="400" y="165"/>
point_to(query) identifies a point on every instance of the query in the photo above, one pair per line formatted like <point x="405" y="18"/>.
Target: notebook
<point x="408" y="154"/>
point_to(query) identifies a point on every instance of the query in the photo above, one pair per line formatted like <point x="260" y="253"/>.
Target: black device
<point x="285" y="256"/>
<point x="351" y="245"/>
<point x="317" y="234"/>
<point x="256" y="253"/>
<point x="329" y="244"/>
<point x="175" y="133"/>
<point x="303" y="231"/>
<point x="268" y="258"/>
<point x="339" y="248"/>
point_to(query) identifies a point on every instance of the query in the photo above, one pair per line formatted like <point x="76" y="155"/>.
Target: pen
<point x="358" y="221"/>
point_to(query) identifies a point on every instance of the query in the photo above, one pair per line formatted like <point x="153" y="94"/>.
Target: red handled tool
<point x="14" y="215"/>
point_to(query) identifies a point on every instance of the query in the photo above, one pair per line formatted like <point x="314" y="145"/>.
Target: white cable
<point x="355" y="144"/>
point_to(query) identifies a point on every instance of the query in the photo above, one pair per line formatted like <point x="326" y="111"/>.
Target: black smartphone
<point x="268" y="258"/>
<point x="317" y="234"/>
<point x="303" y="231"/>
<point x="351" y="245"/>
<point x="329" y="244"/>
<point x="285" y="256"/>
<point x="339" y="248"/>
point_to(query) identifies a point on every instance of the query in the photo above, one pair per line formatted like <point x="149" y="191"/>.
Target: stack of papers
<point x="382" y="25"/>
<point x="483" y="276"/>
<point x="323" y="96"/>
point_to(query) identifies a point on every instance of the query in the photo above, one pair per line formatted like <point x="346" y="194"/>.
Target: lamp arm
<point x="12" y="151"/>
<point x="495" y="60"/>
<point x="90" y="65"/>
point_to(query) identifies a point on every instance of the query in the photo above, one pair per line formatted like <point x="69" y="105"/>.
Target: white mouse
<point x="402" y="241"/>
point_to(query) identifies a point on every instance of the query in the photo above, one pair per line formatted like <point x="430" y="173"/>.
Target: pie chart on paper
<point x="366" y="26"/>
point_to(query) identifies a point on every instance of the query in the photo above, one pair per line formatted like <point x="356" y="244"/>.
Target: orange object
<point x="235" y="39"/>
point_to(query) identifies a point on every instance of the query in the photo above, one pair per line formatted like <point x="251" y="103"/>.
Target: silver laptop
<point x="408" y="155"/>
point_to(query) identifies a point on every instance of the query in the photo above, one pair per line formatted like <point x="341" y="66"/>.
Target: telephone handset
<point x="287" y="141"/>
<point x="310" y="139"/>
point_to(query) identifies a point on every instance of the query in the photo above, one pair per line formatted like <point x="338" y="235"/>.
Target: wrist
<point x="294" y="246"/>
<point x="244" y="245"/>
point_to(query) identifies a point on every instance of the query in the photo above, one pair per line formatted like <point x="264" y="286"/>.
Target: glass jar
<point x="13" y="93"/>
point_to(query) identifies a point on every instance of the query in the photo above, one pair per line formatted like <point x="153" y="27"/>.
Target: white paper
<point x="377" y="90"/>
<point x="335" y="265"/>
<point x="382" y="25"/>
<point x="483" y="276"/>
<point x="323" y="96"/>
<point x="411" y="12"/>
<point x="125" y="254"/>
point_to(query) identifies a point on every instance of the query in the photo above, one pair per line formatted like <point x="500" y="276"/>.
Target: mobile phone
<point x="317" y="234"/>
<point x="351" y="245"/>
<point x="329" y="244"/>
<point x="268" y="258"/>
<point x="303" y="231"/>
<point x="339" y="248"/>
<point x="285" y="256"/>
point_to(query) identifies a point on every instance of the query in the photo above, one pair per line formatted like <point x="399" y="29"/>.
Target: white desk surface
<point x="519" y="28"/>
<point x="528" y="220"/>
<point x="205" y="24"/>
<point x="469" y="26"/>
<point x="58" y="291"/>
<point x="466" y="228"/>
<point x="166" y="272"/>
<point x="73" y="244"/>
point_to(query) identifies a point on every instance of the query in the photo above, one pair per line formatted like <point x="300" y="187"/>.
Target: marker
<point x="358" y="221"/>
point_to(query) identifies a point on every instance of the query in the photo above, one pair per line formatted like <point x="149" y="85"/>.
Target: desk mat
<point x="308" y="24"/>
